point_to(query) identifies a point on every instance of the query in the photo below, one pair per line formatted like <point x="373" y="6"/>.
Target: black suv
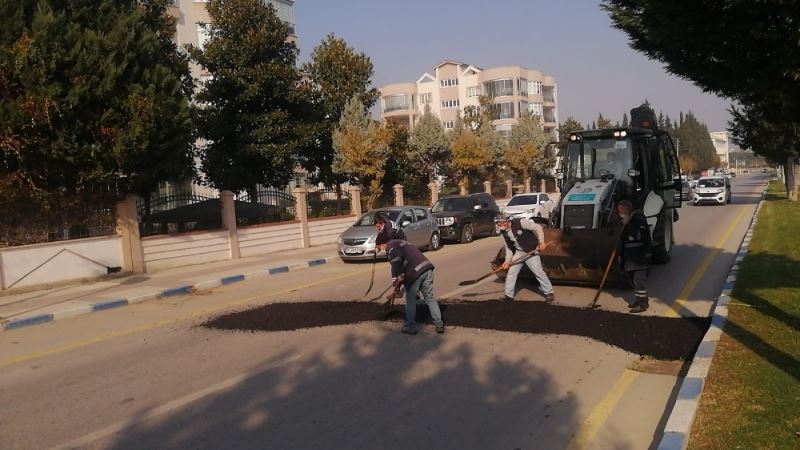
<point x="461" y="217"/>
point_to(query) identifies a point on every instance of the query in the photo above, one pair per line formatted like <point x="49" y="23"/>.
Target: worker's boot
<point x="641" y="305"/>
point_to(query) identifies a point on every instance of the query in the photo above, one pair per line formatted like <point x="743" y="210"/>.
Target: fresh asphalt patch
<point x="662" y="338"/>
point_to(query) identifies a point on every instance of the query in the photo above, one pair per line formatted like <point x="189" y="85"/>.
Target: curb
<point x="186" y="289"/>
<point x="681" y="419"/>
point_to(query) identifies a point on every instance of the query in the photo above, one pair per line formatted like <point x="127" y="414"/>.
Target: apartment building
<point x="455" y="85"/>
<point x="720" y="140"/>
<point x="191" y="14"/>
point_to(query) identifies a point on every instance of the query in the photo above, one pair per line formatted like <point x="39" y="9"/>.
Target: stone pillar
<point x="229" y="222"/>
<point x="509" y="188"/>
<point x="398" y="195"/>
<point x="434" y="192"/>
<point x="355" y="200"/>
<point x="528" y="185"/>
<point x="128" y="229"/>
<point x="301" y="208"/>
<point x="463" y="190"/>
<point x="487" y="187"/>
<point x="543" y="185"/>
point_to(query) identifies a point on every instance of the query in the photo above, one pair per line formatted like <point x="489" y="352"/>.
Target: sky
<point x="595" y="69"/>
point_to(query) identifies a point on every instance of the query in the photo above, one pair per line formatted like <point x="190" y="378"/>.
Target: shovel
<point x="513" y="262"/>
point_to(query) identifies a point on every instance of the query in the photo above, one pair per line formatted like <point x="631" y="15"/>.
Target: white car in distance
<point x="536" y="206"/>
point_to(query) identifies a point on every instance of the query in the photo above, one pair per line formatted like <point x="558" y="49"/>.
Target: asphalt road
<point x="147" y="377"/>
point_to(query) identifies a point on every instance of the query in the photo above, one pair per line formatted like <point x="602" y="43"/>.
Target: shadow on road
<point x="385" y="392"/>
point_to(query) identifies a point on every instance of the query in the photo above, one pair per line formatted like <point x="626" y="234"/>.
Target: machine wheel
<point x="466" y="233"/>
<point x="663" y="238"/>
<point x="435" y="243"/>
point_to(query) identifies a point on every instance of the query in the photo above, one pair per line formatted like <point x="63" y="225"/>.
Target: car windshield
<point x="711" y="183"/>
<point x="685" y="185"/>
<point x="452" y="204"/>
<point x="523" y="200"/>
<point x="368" y="219"/>
<point x="592" y="158"/>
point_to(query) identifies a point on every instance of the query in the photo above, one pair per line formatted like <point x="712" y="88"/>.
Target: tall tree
<point x="470" y="155"/>
<point x="429" y="148"/>
<point x="253" y="117"/>
<point x="696" y="142"/>
<point x="94" y="94"/>
<point x="603" y="122"/>
<point x="748" y="53"/>
<point x="362" y="148"/>
<point x="624" y="120"/>
<point x="525" y="151"/>
<point x="495" y="143"/>
<point x="335" y="74"/>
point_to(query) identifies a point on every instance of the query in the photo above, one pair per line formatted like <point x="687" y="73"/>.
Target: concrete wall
<point x="260" y="239"/>
<point x="327" y="231"/>
<point x="164" y="252"/>
<point x="16" y="262"/>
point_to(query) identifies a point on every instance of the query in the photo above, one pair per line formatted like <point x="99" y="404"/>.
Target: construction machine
<point x="598" y="169"/>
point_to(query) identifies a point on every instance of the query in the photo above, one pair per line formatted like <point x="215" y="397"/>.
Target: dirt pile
<point x="658" y="337"/>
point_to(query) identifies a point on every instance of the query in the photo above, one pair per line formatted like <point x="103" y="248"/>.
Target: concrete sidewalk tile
<point x="209" y="284"/>
<point x="699" y="368"/>
<point x="109" y="304"/>
<point x="27" y="321"/>
<point x="673" y="440"/>
<point x="682" y="416"/>
<point x="713" y="334"/>
<point x="721" y="310"/>
<point x="143" y="297"/>
<point x="706" y="349"/>
<point x="71" y="309"/>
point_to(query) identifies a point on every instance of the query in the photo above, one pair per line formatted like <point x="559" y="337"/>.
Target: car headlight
<point x="447" y="221"/>
<point x="341" y="241"/>
<point x="371" y="239"/>
<point x="720" y="191"/>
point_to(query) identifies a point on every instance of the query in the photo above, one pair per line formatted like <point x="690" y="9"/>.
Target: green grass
<point x="751" y="398"/>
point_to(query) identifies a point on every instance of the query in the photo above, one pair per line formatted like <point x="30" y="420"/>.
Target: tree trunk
<point x="790" y="177"/>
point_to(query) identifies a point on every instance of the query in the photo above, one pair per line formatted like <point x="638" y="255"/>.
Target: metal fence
<point x="270" y="205"/>
<point x="178" y="213"/>
<point x="328" y="202"/>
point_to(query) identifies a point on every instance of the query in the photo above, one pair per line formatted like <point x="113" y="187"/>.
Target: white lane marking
<point x="171" y="406"/>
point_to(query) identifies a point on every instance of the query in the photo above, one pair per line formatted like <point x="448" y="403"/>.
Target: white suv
<point x="715" y="190"/>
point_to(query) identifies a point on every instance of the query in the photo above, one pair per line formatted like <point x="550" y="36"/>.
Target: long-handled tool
<point x="513" y="262"/>
<point x="372" y="277"/>
<point x="603" y="280"/>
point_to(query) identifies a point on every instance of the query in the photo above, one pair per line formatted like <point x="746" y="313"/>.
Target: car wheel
<point x="435" y="243"/>
<point x="467" y="233"/>
<point x="663" y="239"/>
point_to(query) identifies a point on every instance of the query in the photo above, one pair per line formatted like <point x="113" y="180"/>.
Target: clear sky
<point x="571" y="40"/>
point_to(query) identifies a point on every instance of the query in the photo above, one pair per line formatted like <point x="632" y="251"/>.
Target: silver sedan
<point x="420" y="227"/>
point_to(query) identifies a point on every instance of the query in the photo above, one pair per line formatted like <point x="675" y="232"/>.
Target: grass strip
<point x="751" y="398"/>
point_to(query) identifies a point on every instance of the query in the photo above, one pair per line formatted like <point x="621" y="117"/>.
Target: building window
<point x="522" y="86"/>
<point x="523" y="106"/>
<point x="449" y="125"/>
<point x="285" y="11"/>
<point x="536" y="109"/>
<point x="449" y="82"/>
<point x="534" y="88"/>
<point x="396" y="102"/>
<point x="449" y="104"/>
<point x="202" y="36"/>
<point x="499" y="88"/>
<point x="503" y="110"/>
<point x="425" y="98"/>
<point x="504" y="130"/>
<point x="473" y="91"/>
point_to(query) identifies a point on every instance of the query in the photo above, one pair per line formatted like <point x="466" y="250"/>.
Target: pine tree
<point x="625" y="120"/>
<point x="602" y="122"/>
<point x="335" y="73"/>
<point x="525" y="151"/>
<point x="429" y="146"/>
<point x="254" y="117"/>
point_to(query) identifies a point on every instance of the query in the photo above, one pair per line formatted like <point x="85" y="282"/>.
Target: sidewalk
<point x="41" y="306"/>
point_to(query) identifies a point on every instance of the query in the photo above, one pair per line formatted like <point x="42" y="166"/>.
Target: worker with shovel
<point x="417" y="276"/>
<point x="634" y="252"/>
<point x="523" y="236"/>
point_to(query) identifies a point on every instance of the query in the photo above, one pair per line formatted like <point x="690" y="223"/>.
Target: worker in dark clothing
<point x="523" y="236"/>
<point x="415" y="272"/>
<point x="634" y="252"/>
<point x="382" y="222"/>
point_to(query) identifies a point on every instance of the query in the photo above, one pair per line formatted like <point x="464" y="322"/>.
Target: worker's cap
<point x="502" y="217"/>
